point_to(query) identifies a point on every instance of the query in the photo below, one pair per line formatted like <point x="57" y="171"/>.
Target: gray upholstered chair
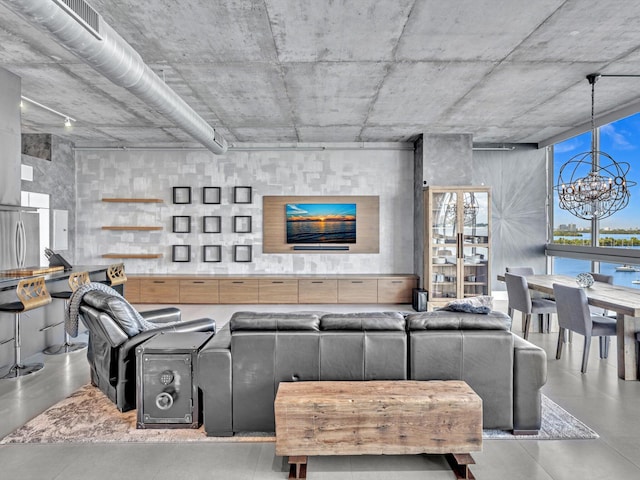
<point x="524" y="271"/>
<point x="574" y="315"/>
<point x="520" y="300"/>
<point x="598" y="277"/>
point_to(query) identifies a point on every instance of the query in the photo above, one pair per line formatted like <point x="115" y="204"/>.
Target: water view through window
<point x="621" y="140"/>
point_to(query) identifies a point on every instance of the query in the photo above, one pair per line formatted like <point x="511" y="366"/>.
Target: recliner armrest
<point x="162" y="315"/>
<point x="199" y="325"/>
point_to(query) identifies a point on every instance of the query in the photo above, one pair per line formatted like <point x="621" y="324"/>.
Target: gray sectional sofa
<point x="240" y="369"/>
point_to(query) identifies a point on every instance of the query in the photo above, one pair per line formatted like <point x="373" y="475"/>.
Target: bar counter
<point x="97" y="273"/>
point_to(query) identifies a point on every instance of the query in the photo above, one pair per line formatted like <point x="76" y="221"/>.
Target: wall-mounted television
<point x="321" y="222"/>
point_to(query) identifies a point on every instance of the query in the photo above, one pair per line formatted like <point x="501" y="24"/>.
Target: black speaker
<point x="419" y="299"/>
<point x="167" y="393"/>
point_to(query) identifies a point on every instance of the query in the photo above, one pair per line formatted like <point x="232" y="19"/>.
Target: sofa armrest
<point x="529" y="376"/>
<point x="162" y="315"/>
<point x="214" y="376"/>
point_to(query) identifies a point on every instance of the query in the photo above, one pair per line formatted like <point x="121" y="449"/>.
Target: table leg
<point x="297" y="466"/>
<point x="626" y="328"/>
<point x="459" y="463"/>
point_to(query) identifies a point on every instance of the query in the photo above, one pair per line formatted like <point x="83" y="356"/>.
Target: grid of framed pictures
<point x="212" y="224"/>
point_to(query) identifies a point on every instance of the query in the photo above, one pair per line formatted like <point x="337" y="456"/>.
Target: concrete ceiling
<point x="506" y="71"/>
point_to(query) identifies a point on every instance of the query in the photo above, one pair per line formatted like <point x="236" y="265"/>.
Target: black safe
<point x="167" y="392"/>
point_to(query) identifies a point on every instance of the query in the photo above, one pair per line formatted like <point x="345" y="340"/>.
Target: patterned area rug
<point x="88" y="416"/>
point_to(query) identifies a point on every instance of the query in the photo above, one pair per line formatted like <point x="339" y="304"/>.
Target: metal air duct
<point x="109" y="54"/>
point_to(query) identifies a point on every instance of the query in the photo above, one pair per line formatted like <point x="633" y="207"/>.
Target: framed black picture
<point x="212" y="253"/>
<point x="242" y="224"/>
<point x="242" y="195"/>
<point x="211" y="195"/>
<point x="181" y="195"/>
<point x="181" y="224"/>
<point x="181" y="253"/>
<point x="242" y="253"/>
<point x="211" y="224"/>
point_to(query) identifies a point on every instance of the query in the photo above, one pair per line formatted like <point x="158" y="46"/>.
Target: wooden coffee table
<point x="378" y="418"/>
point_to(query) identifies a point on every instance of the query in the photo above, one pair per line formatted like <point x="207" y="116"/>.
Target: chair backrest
<point x="518" y="292"/>
<point x="520" y="270"/>
<point x="116" y="275"/>
<point x="573" y="309"/>
<point x="601" y="277"/>
<point x="33" y="293"/>
<point x="77" y="279"/>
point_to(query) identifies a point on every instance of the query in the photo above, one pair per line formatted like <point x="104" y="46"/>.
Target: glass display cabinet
<point x="457" y="242"/>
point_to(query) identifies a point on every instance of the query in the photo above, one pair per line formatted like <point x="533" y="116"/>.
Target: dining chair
<point x="602" y="278"/>
<point x="574" y="315"/>
<point x="520" y="300"/>
<point x="524" y="271"/>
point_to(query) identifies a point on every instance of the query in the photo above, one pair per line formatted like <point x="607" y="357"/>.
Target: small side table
<point x="167" y="392"/>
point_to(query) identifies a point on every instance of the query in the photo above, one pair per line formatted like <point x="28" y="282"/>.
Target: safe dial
<point x="164" y="401"/>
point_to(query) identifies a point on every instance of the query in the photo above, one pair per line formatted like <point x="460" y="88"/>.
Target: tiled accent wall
<point x="152" y="173"/>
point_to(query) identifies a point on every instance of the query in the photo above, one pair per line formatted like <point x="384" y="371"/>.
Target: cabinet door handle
<point x="198" y="281"/>
<point x="317" y="281"/>
<point x="396" y="281"/>
<point x="357" y="281"/>
<point x="158" y="281"/>
<point x="236" y="281"/>
<point x="277" y="282"/>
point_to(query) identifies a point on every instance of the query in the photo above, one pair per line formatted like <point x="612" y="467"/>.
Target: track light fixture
<point x="67" y="118"/>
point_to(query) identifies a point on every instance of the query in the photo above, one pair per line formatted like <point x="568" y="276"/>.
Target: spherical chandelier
<point x="592" y="184"/>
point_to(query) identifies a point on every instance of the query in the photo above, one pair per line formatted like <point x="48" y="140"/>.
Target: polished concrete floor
<point x="607" y="404"/>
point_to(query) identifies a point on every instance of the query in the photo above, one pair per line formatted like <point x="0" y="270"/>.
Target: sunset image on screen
<point x="321" y="222"/>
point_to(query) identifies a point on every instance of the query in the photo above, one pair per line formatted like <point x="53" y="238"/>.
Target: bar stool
<point x="116" y="275"/>
<point x="32" y="293"/>
<point x="75" y="281"/>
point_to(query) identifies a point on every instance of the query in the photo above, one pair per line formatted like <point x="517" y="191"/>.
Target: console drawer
<point x="358" y="291"/>
<point x="239" y="291"/>
<point x="159" y="290"/>
<point x="199" y="291"/>
<point x="317" y="291"/>
<point x="278" y="291"/>
<point x="395" y="290"/>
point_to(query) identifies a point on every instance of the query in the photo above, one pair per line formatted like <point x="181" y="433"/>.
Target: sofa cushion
<point x="274" y="321"/>
<point x="445" y="320"/>
<point x="118" y="308"/>
<point x="363" y="321"/>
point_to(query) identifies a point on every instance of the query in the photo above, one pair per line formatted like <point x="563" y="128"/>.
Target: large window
<point x="621" y="231"/>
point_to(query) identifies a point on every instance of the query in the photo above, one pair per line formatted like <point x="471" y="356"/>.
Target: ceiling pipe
<point x="108" y="53"/>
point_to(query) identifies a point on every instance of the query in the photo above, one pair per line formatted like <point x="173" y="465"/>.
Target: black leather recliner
<point x="114" y="333"/>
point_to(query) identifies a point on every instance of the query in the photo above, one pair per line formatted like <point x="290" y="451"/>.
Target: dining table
<point x="624" y="301"/>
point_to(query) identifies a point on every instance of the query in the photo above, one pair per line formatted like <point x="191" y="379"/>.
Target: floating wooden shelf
<point x="133" y="200"/>
<point x="132" y="255"/>
<point x="129" y="227"/>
